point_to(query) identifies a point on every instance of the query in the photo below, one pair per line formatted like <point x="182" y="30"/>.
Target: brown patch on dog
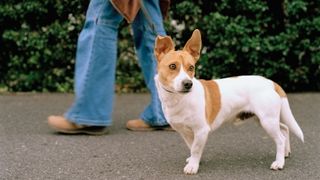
<point x="194" y="44"/>
<point x="163" y="44"/>
<point x="279" y="90"/>
<point x="212" y="98"/>
<point x="180" y="59"/>
<point x="187" y="63"/>
<point x="166" y="55"/>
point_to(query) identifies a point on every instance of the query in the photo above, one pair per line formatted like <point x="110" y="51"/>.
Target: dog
<point x="195" y="107"/>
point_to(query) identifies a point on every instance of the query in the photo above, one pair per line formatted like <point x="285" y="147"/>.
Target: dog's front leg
<point x="200" y="139"/>
<point x="187" y="135"/>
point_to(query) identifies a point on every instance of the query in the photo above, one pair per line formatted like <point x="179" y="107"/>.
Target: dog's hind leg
<point x="272" y="127"/>
<point x="285" y="131"/>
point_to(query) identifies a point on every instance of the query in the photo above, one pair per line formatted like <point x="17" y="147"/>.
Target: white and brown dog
<point x="195" y="107"/>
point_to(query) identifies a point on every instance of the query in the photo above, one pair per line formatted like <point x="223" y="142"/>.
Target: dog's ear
<point x="163" y="45"/>
<point x="193" y="45"/>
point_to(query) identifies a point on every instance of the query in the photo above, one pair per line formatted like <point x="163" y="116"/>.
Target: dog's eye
<point x="191" y="68"/>
<point x="172" y="66"/>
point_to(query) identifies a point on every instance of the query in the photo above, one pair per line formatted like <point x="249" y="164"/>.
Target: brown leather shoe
<point x="62" y="125"/>
<point x="140" y="125"/>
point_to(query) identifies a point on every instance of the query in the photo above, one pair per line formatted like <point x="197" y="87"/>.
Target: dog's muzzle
<point x="187" y="85"/>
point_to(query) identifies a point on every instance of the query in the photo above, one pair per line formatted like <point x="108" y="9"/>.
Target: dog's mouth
<point x="185" y="91"/>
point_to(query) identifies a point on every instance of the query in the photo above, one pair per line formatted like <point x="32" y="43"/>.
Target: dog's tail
<point x="288" y="118"/>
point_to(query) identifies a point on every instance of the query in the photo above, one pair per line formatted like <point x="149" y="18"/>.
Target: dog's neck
<point x="165" y="89"/>
<point x="168" y="98"/>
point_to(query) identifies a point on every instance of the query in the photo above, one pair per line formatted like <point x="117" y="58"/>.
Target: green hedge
<point x="38" y="44"/>
<point x="252" y="37"/>
<point x="279" y="41"/>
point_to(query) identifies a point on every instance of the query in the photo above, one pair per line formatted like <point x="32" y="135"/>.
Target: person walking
<point x="96" y="55"/>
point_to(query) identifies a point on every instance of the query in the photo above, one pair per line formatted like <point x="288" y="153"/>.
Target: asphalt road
<point x="29" y="149"/>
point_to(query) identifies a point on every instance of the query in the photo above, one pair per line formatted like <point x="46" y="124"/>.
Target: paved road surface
<point x="29" y="149"/>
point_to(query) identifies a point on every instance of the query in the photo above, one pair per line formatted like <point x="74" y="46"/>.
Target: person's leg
<point x="95" y="66"/>
<point x="144" y="43"/>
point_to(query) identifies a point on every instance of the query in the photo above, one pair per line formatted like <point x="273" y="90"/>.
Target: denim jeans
<point x="96" y="63"/>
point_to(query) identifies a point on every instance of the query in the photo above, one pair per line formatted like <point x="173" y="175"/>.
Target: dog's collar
<point x="171" y="92"/>
<point x="165" y="89"/>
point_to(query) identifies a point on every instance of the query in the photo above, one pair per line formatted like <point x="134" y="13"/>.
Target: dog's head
<point x="176" y="69"/>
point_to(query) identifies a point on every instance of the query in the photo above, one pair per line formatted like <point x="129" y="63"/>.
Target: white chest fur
<point x="187" y="109"/>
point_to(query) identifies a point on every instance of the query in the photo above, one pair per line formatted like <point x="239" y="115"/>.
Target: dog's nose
<point x="187" y="84"/>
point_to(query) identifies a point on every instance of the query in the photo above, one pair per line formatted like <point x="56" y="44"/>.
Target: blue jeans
<point x="96" y="63"/>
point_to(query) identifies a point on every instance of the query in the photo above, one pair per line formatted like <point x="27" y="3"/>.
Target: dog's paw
<point x="188" y="159"/>
<point x="277" y="165"/>
<point x="191" y="168"/>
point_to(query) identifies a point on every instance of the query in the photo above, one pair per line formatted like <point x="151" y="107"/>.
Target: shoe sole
<point x="82" y="131"/>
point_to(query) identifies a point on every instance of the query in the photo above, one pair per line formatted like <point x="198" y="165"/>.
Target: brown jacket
<point x="129" y="8"/>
